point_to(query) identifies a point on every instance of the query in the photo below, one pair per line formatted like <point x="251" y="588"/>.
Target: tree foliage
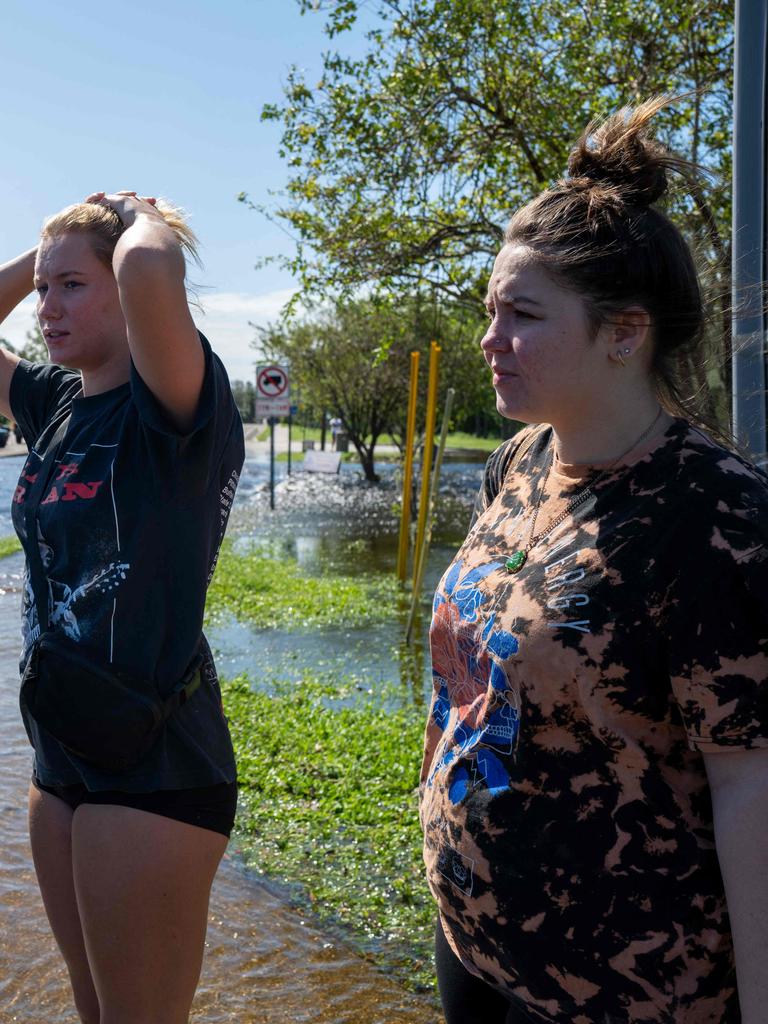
<point x="354" y="360"/>
<point x="244" y="394"/>
<point x="405" y="163"/>
<point x="34" y="348"/>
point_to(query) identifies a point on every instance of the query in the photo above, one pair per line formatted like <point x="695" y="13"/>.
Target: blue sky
<point x="163" y="98"/>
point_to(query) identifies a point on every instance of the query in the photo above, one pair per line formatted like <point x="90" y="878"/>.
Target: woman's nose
<point x="493" y="340"/>
<point x="47" y="307"/>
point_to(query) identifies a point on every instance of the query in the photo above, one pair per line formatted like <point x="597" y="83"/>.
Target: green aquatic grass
<point x="273" y="593"/>
<point x="328" y="802"/>
<point x="459" y="439"/>
<point x="9" y="546"/>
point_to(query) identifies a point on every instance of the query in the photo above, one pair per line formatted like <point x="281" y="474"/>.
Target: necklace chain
<point x="520" y="557"/>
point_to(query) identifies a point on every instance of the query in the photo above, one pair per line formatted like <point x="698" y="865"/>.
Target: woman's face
<point x="546" y="364"/>
<point x="78" y="306"/>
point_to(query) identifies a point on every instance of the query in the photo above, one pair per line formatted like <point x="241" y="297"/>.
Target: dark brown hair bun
<point x="620" y="152"/>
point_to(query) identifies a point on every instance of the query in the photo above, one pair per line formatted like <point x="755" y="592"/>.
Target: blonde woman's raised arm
<point x="16" y="282"/>
<point x="149" y="268"/>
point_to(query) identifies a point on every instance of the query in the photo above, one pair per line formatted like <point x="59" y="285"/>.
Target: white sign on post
<point x="273" y="394"/>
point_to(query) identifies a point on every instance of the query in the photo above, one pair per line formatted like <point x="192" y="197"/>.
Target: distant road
<point x="11" y="448"/>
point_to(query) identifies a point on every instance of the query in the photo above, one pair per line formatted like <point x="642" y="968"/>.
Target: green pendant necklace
<point x="518" y="558"/>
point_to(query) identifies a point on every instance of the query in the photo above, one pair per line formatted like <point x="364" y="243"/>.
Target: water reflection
<point x="344" y="525"/>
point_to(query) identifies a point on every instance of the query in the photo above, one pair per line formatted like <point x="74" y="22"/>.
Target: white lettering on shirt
<point x="560" y="561"/>
<point x="582" y="625"/>
<point x="567" y="600"/>
<point x="566" y="578"/>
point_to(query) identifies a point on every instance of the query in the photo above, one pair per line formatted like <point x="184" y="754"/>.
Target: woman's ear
<point x="626" y="333"/>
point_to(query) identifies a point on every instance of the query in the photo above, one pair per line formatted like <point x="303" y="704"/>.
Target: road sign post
<point x="273" y="399"/>
<point x="272" y="462"/>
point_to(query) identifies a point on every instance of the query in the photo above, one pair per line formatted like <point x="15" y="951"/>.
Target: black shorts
<point x="211" y="807"/>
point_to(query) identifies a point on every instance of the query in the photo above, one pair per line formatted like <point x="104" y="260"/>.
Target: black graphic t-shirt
<point x="129" y="529"/>
<point x="568" y="831"/>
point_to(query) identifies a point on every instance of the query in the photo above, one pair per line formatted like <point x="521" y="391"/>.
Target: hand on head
<point x="126" y="204"/>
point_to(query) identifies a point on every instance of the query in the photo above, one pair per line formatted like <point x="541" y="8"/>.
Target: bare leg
<point x="50" y="823"/>
<point x="143" y="883"/>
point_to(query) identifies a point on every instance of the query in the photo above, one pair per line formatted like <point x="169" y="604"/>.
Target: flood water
<point x="341" y="524"/>
<point x="265" y="962"/>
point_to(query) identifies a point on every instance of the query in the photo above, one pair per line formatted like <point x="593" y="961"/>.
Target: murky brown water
<point x="263" y="964"/>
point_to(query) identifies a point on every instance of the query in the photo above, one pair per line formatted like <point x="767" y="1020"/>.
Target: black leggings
<point x="467" y="999"/>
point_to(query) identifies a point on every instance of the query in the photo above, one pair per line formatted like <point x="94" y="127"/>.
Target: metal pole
<point x="749" y="225"/>
<point x="272" y="462"/>
<point x="410" y="430"/>
<point x="429" y="441"/>
<point x="290" y="423"/>
<point x="420" y="556"/>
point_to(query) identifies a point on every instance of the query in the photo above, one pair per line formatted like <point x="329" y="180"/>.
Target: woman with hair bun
<point x="594" y="791"/>
<point x="135" y="450"/>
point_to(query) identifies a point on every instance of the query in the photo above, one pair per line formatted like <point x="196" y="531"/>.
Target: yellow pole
<point x="429" y="441"/>
<point x="420" y="556"/>
<point x="405" y="515"/>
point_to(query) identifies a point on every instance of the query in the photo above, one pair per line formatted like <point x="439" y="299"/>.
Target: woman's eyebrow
<point x="520" y="298"/>
<point x="508" y="300"/>
<point x="64" y="273"/>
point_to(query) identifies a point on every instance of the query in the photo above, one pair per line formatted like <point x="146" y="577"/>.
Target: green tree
<point x="353" y="360"/>
<point x="34" y="348"/>
<point x="406" y="163"/>
<point x="244" y="393"/>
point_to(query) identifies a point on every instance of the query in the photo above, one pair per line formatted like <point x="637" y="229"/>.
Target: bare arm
<point x="149" y="269"/>
<point x="739" y="784"/>
<point x="16" y="282"/>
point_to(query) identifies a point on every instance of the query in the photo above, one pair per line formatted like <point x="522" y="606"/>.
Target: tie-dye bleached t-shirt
<point x="567" y="818"/>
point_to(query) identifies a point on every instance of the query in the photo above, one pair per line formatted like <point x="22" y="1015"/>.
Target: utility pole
<point x="749" y="226"/>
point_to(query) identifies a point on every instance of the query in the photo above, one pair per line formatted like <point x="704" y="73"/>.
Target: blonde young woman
<point x="135" y="450"/>
<point x="595" y="783"/>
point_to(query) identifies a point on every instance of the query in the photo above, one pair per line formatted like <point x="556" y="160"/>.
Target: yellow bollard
<point x="405" y="515"/>
<point x="420" y="556"/>
<point x="429" y="441"/>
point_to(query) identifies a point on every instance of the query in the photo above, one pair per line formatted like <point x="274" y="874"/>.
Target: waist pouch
<point x="106" y="717"/>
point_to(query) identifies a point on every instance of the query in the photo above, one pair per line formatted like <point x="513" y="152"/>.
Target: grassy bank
<point x="455" y="439"/>
<point x="9" y="546"/>
<point x="329" y="771"/>
<point x="329" y="804"/>
<point x="270" y="592"/>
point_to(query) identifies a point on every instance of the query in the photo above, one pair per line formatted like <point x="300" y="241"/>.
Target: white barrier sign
<point x="321" y="462"/>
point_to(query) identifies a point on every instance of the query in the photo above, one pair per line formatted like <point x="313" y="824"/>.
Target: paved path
<point x="255" y="448"/>
<point x="12" y="448"/>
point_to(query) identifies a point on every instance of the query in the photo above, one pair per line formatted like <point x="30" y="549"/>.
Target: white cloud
<point x="14" y="328"/>
<point x="226" y="322"/>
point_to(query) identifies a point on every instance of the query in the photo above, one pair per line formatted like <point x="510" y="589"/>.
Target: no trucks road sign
<point x="273" y="393"/>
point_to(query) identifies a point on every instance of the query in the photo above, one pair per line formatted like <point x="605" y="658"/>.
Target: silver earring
<point x="621" y="358"/>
